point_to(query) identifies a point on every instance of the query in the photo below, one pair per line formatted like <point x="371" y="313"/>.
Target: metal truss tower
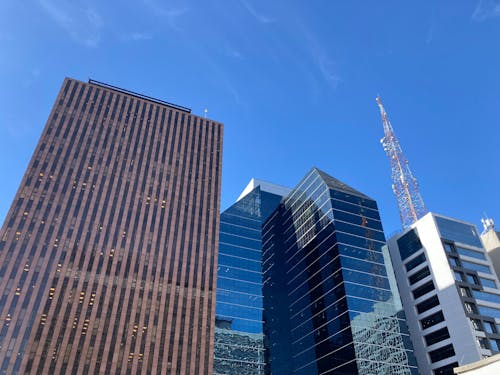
<point x="404" y="185"/>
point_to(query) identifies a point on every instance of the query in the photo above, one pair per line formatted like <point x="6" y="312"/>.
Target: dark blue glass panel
<point x="457" y="231"/>
<point x="240" y="241"/>
<point x="409" y="244"/>
<point x="239" y="344"/>
<point x="476" y="267"/>
<point x="470" y="253"/>
<point x="364" y="266"/>
<point x="240" y="230"/>
<point x="490" y="297"/>
<point x="326" y="287"/>
<point x="246" y="264"/>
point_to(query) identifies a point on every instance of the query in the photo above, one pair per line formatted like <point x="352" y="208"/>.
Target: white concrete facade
<point x="487" y="366"/>
<point x="434" y="265"/>
<point x="491" y="241"/>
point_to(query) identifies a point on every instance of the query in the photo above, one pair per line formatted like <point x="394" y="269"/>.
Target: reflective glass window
<point x="476" y="324"/>
<point x="423" y="289"/>
<point x="432" y="320"/>
<point x="482" y="342"/>
<point x="495" y="345"/>
<point x="437" y="336"/>
<point x="475" y="266"/>
<point x="361" y="265"/>
<point x="470" y="308"/>
<point x="428" y="304"/>
<point x="490" y="297"/>
<point x="448" y="247"/>
<point x="457" y="231"/>
<point x="442" y="353"/>
<point x="489" y="311"/>
<point x="490" y="327"/>
<point x="473" y="279"/>
<point x="446" y="369"/>
<point x="409" y="244"/>
<point x="415" y="262"/>
<point x="465" y="292"/>
<point x="419" y="275"/>
<point x="488" y="282"/>
<point x="454" y="262"/>
<point x="470" y="253"/>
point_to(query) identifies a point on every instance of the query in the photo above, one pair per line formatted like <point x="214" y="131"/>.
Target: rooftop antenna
<point x="205" y="112"/>
<point x="488" y="223"/>
<point x="405" y="186"/>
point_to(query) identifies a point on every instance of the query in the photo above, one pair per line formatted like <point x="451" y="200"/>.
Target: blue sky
<point x="294" y="82"/>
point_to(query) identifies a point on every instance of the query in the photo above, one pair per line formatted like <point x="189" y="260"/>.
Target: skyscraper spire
<point x="405" y="186"/>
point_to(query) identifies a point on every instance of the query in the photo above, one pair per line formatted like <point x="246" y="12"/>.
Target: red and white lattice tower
<point x="404" y="185"/>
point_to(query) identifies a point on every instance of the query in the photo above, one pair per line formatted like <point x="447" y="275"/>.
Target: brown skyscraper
<point x="107" y="253"/>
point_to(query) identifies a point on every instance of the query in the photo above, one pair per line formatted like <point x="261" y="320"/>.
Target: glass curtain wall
<point x="239" y="345"/>
<point x="328" y="304"/>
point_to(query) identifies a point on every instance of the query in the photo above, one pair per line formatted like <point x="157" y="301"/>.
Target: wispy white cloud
<point x="258" y="16"/>
<point x="486" y="9"/>
<point x="82" y="22"/>
<point x="136" y="36"/>
<point x="171" y="13"/>
<point x="328" y="70"/>
<point x="319" y="56"/>
<point x="233" y="53"/>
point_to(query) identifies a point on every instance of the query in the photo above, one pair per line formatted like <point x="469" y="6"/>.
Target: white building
<point x="491" y="241"/>
<point x="449" y="292"/>
<point x="487" y="366"/>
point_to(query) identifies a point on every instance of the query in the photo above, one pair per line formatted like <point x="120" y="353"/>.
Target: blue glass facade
<point x="239" y="347"/>
<point x="328" y="303"/>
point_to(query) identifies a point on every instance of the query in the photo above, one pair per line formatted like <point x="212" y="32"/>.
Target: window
<point x="488" y="283"/>
<point x="424" y="289"/>
<point x="454" y="262"/>
<point x="490" y="327"/>
<point x="428" y="304"/>
<point x="432" y="320"/>
<point x="470" y="308"/>
<point x="476" y="267"/>
<point x="489" y="311"/>
<point x="409" y="244"/>
<point x="459" y="276"/>
<point x="419" y="275"/>
<point x="490" y="297"/>
<point x="437" y="336"/>
<point x="446" y="369"/>
<point x="482" y="342"/>
<point x="495" y="345"/>
<point x="470" y="253"/>
<point x="465" y="292"/>
<point x="457" y="231"/>
<point x="448" y="247"/>
<point x="476" y="324"/>
<point x="415" y="262"/>
<point x="473" y="279"/>
<point x="442" y="353"/>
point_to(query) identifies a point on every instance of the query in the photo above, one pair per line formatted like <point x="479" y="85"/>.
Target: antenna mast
<point x="405" y="186"/>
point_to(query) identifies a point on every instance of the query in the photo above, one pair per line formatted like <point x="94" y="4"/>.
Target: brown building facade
<point x="107" y="253"/>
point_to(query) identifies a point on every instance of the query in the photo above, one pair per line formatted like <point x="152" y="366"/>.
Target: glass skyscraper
<point x="330" y="302"/>
<point x="239" y="346"/>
